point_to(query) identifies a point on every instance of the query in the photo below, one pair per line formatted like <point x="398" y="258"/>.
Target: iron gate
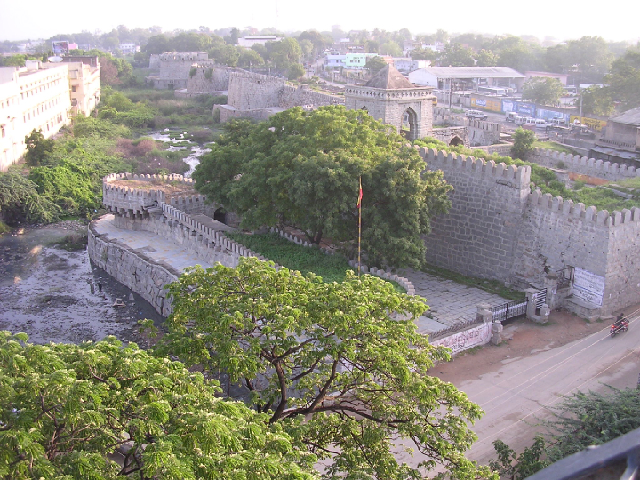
<point x="513" y="309"/>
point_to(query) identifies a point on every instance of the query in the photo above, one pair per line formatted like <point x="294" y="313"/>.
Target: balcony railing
<point x="598" y="461"/>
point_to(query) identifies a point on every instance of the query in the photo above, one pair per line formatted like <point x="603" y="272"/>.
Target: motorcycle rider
<point x="621" y="323"/>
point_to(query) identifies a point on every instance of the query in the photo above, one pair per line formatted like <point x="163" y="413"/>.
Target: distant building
<point x="620" y="142"/>
<point x="561" y="77"/>
<point x="355" y="61"/>
<point x="174" y="68"/>
<point x="129" y="48"/>
<point x="250" y="41"/>
<point x="407" y="65"/>
<point x="84" y="83"/>
<point x="472" y="77"/>
<point x="31" y="98"/>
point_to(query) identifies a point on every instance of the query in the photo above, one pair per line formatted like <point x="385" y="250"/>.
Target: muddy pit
<point x="57" y="295"/>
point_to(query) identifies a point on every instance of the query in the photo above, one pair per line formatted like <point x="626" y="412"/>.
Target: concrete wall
<point x="583" y="165"/>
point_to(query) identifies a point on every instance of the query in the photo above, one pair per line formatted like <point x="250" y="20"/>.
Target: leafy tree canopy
<point x="522" y="143"/>
<point x="543" y="90"/>
<point x="301" y="169"/>
<point x="19" y="201"/>
<point x="375" y="64"/>
<point x="339" y="365"/>
<point x="64" y="408"/>
<point x="38" y="147"/>
<point x="582" y="419"/>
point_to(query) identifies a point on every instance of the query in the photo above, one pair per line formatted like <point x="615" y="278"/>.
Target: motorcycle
<point x="619" y="327"/>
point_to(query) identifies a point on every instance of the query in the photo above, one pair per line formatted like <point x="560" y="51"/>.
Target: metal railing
<point x="595" y="458"/>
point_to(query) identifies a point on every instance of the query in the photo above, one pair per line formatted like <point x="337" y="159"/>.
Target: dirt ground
<point x="521" y="337"/>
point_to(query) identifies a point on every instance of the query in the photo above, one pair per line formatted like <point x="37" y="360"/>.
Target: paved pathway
<point x="450" y="303"/>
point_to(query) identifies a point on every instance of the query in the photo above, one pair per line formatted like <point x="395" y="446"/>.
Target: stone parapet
<point x="583" y="165"/>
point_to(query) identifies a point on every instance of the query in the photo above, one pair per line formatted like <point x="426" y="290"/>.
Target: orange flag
<point x="360" y="196"/>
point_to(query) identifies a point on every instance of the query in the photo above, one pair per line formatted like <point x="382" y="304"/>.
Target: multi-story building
<point x="40" y="97"/>
<point x="84" y="83"/>
<point x="129" y="48"/>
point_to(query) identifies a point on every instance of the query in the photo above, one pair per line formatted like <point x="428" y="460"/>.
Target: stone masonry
<point x="497" y="228"/>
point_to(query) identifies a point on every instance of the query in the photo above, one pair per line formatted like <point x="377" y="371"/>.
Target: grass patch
<point x="549" y="145"/>
<point x="4" y="228"/>
<point x="332" y="268"/>
<point x="491" y="286"/>
<point x="73" y="242"/>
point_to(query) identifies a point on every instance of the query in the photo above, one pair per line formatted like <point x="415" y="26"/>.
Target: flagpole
<point x="359" y="222"/>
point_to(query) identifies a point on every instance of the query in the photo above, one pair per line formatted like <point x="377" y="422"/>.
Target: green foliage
<point x="328" y="362"/>
<point x="192" y="71"/>
<point x="543" y="90"/>
<point x="38" y="148"/>
<point x="332" y="268"/>
<point x="208" y="73"/>
<point x="582" y="419"/>
<point x="519" y="467"/>
<point x="375" y="64"/>
<point x="301" y="169"/>
<point x="65" y="407"/>
<point x="94" y="127"/>
<point x="296" y="70"/>
<point x="20" y="202"/>
<point x="522" y="143"/>
<point x="69" y="186"/>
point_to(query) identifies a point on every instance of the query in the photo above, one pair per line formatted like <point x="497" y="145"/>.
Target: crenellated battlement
<point x="515" y="176"/>
<point x="584" y="165"/>
<point x="570" y="210"/>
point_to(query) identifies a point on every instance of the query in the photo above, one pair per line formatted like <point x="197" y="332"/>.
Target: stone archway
<point x="455" y="141"/>
<point x="410" y="124"/>
<point x="220" y="215"/>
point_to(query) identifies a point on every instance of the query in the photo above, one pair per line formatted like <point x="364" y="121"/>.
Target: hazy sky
<point x="615" y="20"/>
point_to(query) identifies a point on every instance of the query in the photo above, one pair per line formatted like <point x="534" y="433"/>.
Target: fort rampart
<point x="497" y="228"/>
<point x="583" y="165"/>
<point x="178" y="221"/>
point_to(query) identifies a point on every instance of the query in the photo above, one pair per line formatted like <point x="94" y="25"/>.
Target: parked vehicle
<point x="476" y="114"/>
<point x="558" y="121"/>
<point x="511" y="117"/>
<point x="520" y="120"/>
<point x="541" y="124"/>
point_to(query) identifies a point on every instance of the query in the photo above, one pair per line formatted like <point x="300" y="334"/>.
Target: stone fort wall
<point x="478" y="235"/>
<point x="583" y="165"/>
<point x="497" y="228"/>
<point x="208" y="79"/>
<point x="251" y="91"/>
<point x="291" y="96"/>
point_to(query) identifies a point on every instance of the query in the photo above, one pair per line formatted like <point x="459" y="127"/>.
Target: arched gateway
<point x="390" y="97"/>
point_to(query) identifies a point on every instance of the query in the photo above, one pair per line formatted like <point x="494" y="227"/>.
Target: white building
<point x="129" y="48"/>
<point x="474" y="77"/>
<point x="40" y="97"/>
<point x="250" y="41"/>
<point x="407" y="65"/>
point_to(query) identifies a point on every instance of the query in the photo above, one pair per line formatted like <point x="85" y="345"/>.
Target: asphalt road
<point x="523" y="389"/>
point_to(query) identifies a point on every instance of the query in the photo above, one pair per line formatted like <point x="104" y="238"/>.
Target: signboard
<point x="474" y="337"/>
<point x="508" y="106"/>
<point x="588" y="287"/>
<point x="592" y="123"/>
<point x="527" y="109"/>
<point x="60" y="47"/>
<point x="487" y="103"/>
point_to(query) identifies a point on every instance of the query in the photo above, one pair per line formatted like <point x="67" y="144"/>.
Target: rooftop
<point x="389" y="79"/>
<point x="630" y="117"/>
<point x="473" y="72"/>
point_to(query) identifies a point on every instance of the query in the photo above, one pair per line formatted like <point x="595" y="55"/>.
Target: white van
<point x="541" y="123"/>
<point x="520" y="120"/>
<point x="530" y="121"/>
<point x="558" y="122"/>
<point x="511" y="117"/>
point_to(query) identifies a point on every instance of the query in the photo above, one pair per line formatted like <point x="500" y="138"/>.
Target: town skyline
<point x="545" y="19"/>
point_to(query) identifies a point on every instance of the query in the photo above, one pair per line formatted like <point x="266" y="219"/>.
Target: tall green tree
<point x="38" y="147"/>
<point x="624" y="80"/>
<point x="543" y="90"/>
<point x="455" y="55"/>
<point x="522" y="143"/>
<point x="339" y="365"/>
<point x="301" y="169"/>
<point x="375" y="64"/>
<point x="65" y="409"/>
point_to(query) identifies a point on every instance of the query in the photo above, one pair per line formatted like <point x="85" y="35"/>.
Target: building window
<point x="73" y="88"/>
